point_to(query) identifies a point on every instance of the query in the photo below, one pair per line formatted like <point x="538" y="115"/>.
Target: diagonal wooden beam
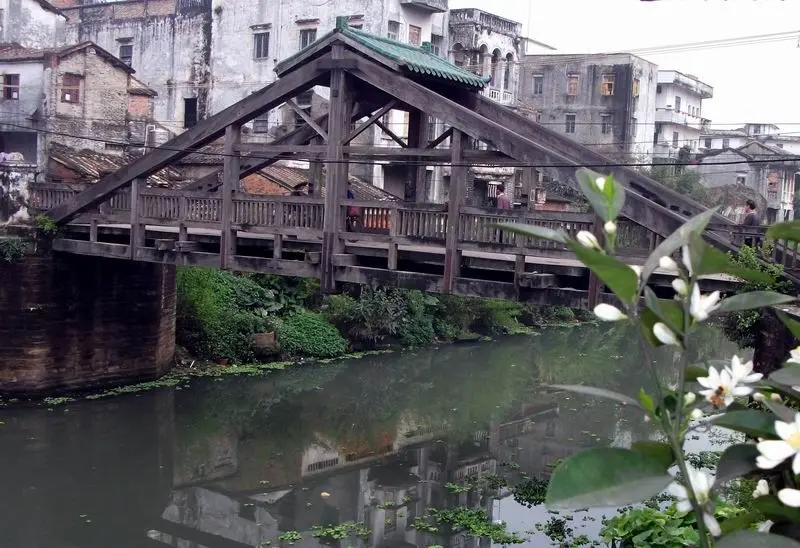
<point x="307" y="119"/>
<point x="441" y="138"/>
<point x="194" y="138"/>
<point x="391" y="134"/>
<point x="638" y="208"/>
<point x="300" y="136"/>
<point x="372" y="119"/>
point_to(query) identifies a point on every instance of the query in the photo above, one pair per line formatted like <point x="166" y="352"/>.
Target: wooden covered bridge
<point x="434" y="247"/>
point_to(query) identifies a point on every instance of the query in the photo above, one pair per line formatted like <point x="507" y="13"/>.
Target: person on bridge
<point x="751" y="219"/>
<point x="503" y="202"/>
<point x="353" y="212"/>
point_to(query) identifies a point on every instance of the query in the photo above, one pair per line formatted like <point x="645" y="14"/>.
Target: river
<point x="235" y="462"/>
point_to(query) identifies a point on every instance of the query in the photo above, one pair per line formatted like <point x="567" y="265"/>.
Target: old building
<point x="770" y="134"/>
<point x="760" y="167"/>
<point x="679" y="109"/>
<point x="605" y="101"/>
<point x="32" y="23"/>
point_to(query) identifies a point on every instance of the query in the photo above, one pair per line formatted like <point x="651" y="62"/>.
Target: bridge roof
<point x="396" y="55"/>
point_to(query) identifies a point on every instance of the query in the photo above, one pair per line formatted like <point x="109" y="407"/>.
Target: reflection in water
<point x="238" y="462"/>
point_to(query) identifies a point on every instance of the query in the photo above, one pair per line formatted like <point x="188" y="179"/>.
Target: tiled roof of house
<point x="93" y="165"/>
<point x="14" y="52"/>
<point x="411" y="58"/>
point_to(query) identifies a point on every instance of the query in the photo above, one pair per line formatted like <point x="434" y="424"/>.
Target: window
<point x="741" y="179"/>
<point x="634" y="127"/>
<point x="606" y="123"/>
<point x="298" y="120"/>
<point x="414" y="35"/>
<point x="307" y="37"/>
<point x="394" y="31"/>
<point x="189" y="112"/>
<point x="71" y="88"/>
<point x="538" y="84"/>
<point x="303" y="101"/>
<point x="126" y="53"/>
<point x="726" y="143"/>
<point x="569" y="123"/>
<point x="436" y="44"/>
<point x="572" y="85"/>
<point x="607" y="86"/>
<point x="707" y="143"/>
<point x="677" y="103"/>
<point x="675" y="139"/>
<point x="756" y="129"/>
<point x="658" y="89"/>
<point x="11" y="87"/>
<point x="261" y="123"/>
<point x="636" y="85"/>
<point x="261" y="45"/>
<point x="537" y="116"/>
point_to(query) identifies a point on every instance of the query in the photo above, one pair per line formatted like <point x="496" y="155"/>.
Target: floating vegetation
<point x="341" y="531"/>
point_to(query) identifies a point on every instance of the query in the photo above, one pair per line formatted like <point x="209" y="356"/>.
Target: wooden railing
<point x="783" y="252"/>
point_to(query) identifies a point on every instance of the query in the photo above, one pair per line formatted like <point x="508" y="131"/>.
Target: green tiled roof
<point x="415" y="59"/>
<point x="419" y="60"/>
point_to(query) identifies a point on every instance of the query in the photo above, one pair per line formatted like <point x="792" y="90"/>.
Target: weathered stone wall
<point x="32" y="25"/>
<point x="70" y="322"/>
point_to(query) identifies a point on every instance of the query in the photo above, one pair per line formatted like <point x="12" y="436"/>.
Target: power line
<point x="431" y="162"/>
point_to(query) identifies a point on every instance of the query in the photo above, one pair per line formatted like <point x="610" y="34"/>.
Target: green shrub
<point x="495" y="317"/>
<point x="740" y="327"/>
<point x="11" y="250"/>
<point x="417" y="329"/>
<point x="290" y="294"/>
<point x="375" y="315"/>
<point x="310" y="334"/>
<point x="454" y="316"/>
<point x="218" y="313"/>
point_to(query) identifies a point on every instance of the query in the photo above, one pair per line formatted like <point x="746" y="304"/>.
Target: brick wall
<point x="69" y="322"/>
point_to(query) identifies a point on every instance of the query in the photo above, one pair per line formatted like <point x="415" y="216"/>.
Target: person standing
<point x="503" y="202"/>
<point x="751" y="219"/>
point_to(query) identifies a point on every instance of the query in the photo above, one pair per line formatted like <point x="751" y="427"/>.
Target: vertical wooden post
<point x="594" y="283"/>
<point x="528" y="175"/>
<point x="337" y="172"/>
<point x="314" y="171"/>
<point x="93" y="230"/>
<point x="417" y="138"/>
<point x="183" y="213"/>
<point x="458" y="181"/>
<point x="519" y="272"/>
<point x="230" y="184"/>
<point x="277" y="239"/>
<point x="136" y="228"/>
<point x="394" y="230"/>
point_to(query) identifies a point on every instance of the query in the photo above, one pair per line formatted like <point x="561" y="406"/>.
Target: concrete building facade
<point x="31" y="23"/>
<point x="769" y="134"/>
<point x="679" y="108"/>
<point x="605" y="101"/>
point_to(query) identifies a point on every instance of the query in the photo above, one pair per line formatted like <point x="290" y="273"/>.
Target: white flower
<point x="686" y="258"/>
<point x="689" y="398"/>
<point x="721" y="388"/>
<point x="664" y="334"/>
<point x="600" y="182"/>
<point x="666" y="263"/>
<point x="680" y="287"/>
<point x="696" y="414"/>
<point x="610" y="227"/>
<point x="701" y="306"/>
<point x="701" y="484"/>
<point x="774" y="452"/>
<point x="790" y="497"/>
<point x="764" y="527"/>
<point x="795" y="356"/>
<point x="762" y="489"/>
<point x="587" y="239"/>
<point x="608" y="313"/>
<point x="743" y="372"/>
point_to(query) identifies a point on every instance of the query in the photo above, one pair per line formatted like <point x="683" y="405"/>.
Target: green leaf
<point x="646" y="401"/>
<point x="604" y="476"/>
<point x="596" y="392"/>
<point x="601" y="202"/>
<point x="790" y="376"/>
<point x="619" y="277"/>
<point x="656" y="450"/>
<point x="649" y="319"/>
<point x="780" y="388"/>
<point x="791" y="324"/>
<point x="752" y="539"/>
<point x="781" y="411"/>
<point x="742" y="521"/>
<point x="694" y="372"/>
<point x="668" y="311"/>
<point x="753" y="423"/>
<point x="785" y="231"/>
<point x="681" y="237"/>
<point x="773" y="509"/>
<point x="533" y="231"/>
<point x="737" y="461"/>
<point x="709" y="260"/>
<point x="754" y="299"/>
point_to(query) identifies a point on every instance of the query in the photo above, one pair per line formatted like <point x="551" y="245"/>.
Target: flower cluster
<point x="721" y="387"/>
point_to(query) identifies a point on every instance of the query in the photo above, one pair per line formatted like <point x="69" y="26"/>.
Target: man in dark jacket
<point x="751" y="219"/>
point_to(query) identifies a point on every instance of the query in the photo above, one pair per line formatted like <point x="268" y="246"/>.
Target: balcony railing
<point x="436" y="6"/>
<point x="502" y="96"/>
<point x="671" y="116"/>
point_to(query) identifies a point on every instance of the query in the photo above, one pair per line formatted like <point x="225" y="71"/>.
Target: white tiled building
<point x="679" y="113"/>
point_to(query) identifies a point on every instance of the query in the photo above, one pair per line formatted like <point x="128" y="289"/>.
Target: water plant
<point x="708" y="392"/>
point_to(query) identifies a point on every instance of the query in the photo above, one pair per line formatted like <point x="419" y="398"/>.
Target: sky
<point x="758" y="82"/>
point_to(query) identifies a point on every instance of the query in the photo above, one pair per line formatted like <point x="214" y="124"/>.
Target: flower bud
<point x="665" y="335"/>
<point x="696" y="414"/>
<point x="775" y="397"/>
<point x="689" y="398"/>
<point x="680" y="287"/>
<point x="666" y="263"/>
<point x="600" y="183"/>
<point x="610" y="227"/>
<point x="587" y="239"/>
<point x="608" y="313"/>
<point x="758" y="396"/>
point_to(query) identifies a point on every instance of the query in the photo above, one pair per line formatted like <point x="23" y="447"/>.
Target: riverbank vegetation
<point x="220" y="316"/>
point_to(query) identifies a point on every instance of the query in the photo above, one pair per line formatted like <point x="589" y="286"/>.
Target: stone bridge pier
<point x="71" y="322"/>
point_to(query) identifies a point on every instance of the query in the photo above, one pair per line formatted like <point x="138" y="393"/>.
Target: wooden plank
<point x="458" y="175"/>
<point x="277" y="249"/>
<point x="230" y="184"/>
<point x="371" y="120"/>
<point x="391" y="134"/>
<point x="441" y="138"/>
<point x="137" y="229"/>
<point x="417" y="137"/>
<point x="93" y="230"/>
<point x="315" y="172"/>
<point x="336" y="175"/>
<point x="196" y="137"/>
<point x="307" y="119"/>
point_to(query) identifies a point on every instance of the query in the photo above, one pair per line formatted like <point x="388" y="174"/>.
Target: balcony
<point x="504" y="97"/>
<point x="433" y="6"/>
<point x="489" y="21"/>
<point x="669" y="115"/>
